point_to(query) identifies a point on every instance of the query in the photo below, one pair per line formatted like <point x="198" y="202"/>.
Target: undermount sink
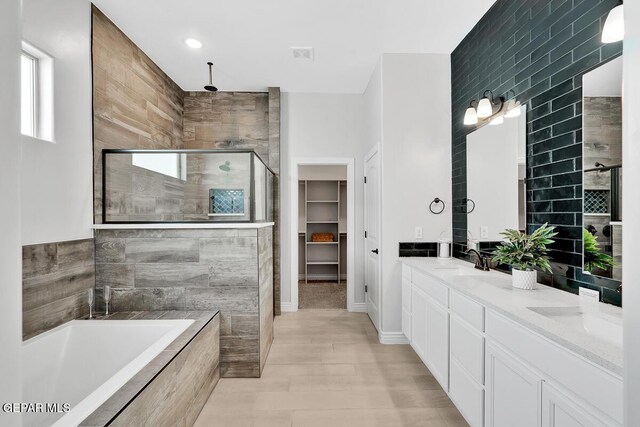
<point x="600" y="325"/>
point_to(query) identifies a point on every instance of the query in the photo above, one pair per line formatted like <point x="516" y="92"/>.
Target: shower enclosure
<point x="142" y="186"/>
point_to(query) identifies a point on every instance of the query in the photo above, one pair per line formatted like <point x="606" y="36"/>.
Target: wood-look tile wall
<point x="55" y="280"/>
<point x="265" y="277"/>
<point x="240" y="120"/>
<point x="135" y="104"/>
<point x="203" y="269"/>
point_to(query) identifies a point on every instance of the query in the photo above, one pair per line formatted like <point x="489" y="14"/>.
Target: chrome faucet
<point x="482" y="262"/>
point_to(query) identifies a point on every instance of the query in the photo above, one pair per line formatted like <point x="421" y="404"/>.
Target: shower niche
<point x="142" y="186"/>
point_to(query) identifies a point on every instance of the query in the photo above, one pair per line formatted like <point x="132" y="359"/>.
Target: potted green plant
<point x="593" y="256"/>
<point x="523" y="252"/>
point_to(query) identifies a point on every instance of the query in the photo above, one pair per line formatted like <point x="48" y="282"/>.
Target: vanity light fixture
<point x="488" y="108"/>
<point x="513" y="108"/>
<point x="486" y="104"/>
<point x="470" y="116"/>
<point x="193" y="43"/>
<point x="613" y="30"/>
<point x="497" y="121"/>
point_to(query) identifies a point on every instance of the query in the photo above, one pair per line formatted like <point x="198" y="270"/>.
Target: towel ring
<point x="473" y="205"/>
<point x="437" y="201"/>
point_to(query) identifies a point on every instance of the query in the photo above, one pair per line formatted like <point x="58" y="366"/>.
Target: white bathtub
<point x="84" y="362"/>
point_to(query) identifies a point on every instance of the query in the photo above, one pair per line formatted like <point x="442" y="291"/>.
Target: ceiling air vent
<point x="302" y="53"/>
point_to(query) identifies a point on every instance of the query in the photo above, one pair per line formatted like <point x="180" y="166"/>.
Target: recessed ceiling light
<point x="193" y="43"/>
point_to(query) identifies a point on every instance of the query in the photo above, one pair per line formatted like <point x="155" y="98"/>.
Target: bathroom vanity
<point x="513" y="357"/>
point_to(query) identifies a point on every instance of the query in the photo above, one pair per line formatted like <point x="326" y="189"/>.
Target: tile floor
<point x="326" y="368"/>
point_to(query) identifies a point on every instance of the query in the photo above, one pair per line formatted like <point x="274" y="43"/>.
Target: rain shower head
<point x="210" y="87"/>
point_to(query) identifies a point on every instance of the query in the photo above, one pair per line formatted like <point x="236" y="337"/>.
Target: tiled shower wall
<point x="136" y="105"/>
<point x="55" y="280"/>
<point x="196" y="269"/>
<point x="539" y="49"/>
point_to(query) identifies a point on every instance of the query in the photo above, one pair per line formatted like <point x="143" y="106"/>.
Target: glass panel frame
<point x="224" y="175"/>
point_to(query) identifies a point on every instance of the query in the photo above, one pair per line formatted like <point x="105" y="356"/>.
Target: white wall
<point x="10" y="250"/>
<point x="57" y="178"/>
<point x="322" y="173"/>
<point x="416" y="162"/>
<point x="630" y="209"/>
<point x="320" y="126"/>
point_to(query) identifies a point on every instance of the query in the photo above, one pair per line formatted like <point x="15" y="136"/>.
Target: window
<point x="36" y="93"/>
<point x="29" y="94"/>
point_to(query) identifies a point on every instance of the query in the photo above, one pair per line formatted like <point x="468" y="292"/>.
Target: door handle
<point x="375" y="251"/>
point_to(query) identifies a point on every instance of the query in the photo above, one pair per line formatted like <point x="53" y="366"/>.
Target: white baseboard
<point x="358" y="307"/>
<point x="288" y="307"/>
<point x="392" y="338"/>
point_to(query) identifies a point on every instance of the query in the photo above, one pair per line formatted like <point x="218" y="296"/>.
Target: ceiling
<point x="249" y="41"/>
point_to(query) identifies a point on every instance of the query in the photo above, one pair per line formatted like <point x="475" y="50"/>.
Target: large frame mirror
<point x="496" y="181"/>
<point x="602" y="170"/>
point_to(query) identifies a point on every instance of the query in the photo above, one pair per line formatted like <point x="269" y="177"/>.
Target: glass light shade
<point x="470" y="117"/>
<point x="613" y="30"/>
<point x="514" y="112"/>
<point x="485" y="109"/>
<point x="497" y="121"/>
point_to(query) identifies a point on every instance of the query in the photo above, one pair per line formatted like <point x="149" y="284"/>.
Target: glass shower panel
<point x="260" y="189"/>
<point x="186" y="186"/>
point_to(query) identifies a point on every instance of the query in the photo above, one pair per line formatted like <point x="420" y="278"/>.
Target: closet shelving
<point x="322" y="209"/>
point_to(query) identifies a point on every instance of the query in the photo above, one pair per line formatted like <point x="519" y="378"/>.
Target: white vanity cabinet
<point x="467" y="348"/>
<point x="497" y="371"/>
<point x="513" y="391"/>
<point x="430" y="324"/>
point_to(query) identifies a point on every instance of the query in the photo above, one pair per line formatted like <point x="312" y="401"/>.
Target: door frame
<point x="376" y="149"/>
<point x="293" y="232"/>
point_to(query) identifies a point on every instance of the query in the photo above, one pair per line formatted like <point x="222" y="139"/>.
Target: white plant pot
<point x="523" y="279"/>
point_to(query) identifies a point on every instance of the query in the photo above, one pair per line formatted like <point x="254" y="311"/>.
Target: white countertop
<point x="182" y="225"/>
<point x="493" y="290"/>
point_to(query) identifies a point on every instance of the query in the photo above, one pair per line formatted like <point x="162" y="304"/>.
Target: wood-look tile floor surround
<point x="327" y="368"/>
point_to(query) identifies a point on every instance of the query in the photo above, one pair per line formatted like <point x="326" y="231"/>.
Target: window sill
<point x="36" y="139"/>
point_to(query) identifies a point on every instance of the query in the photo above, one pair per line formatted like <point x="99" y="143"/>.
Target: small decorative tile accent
<point x="226" y="202"/>
<point x="596" y="201"/>
<point x="421" y="249"/>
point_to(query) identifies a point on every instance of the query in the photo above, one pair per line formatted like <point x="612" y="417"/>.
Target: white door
<point x="372" y="233"/>
<point x="438" y="342"/>
<point x="558" y="410"/>
<point x="513" y="391"/>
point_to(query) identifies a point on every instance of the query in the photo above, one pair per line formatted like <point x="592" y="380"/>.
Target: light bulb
<point x="613" y="30"/>
<point x="470" y="117"/>
<point x="485" y="109"/>
<point x="497" y="121"/>
<point x="514" y="112"/>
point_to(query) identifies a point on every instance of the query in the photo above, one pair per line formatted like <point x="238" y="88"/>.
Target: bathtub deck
<point x="131" y="403"/>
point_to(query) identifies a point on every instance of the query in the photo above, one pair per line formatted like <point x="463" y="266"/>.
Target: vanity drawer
<point x="591" y="383"/>
<point x="436" y="290"/>
<point x="467" y="347"/>
<point x="470" y="311"/>
<point x="406" y="272"/>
